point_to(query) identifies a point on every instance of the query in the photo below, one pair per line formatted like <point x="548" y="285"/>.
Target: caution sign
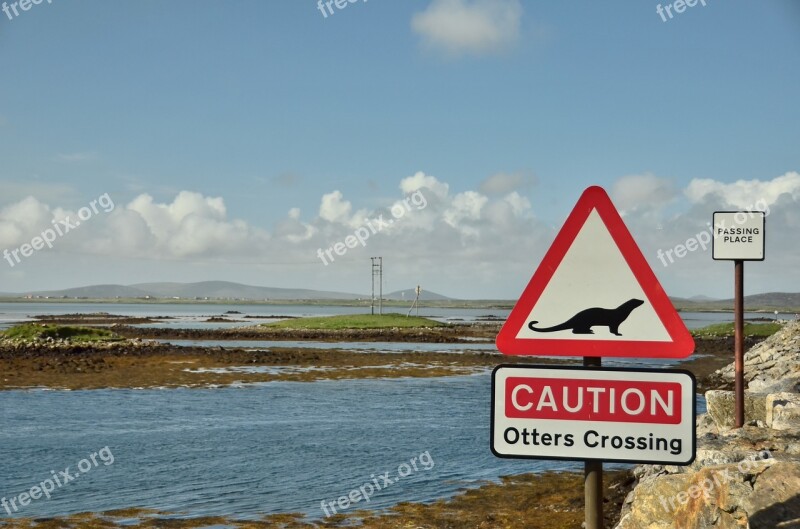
<point x="577" y="413"/>
<point x="594" y="294"/>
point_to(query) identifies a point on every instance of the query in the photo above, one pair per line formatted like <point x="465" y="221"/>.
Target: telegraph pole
<point x="416" y="302"/>
<point x="372" y="281"/>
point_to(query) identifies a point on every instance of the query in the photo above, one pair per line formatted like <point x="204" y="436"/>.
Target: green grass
<point x="719" y="330"/>
<point x="30" y="331"/>
<point x="356" y="321"/>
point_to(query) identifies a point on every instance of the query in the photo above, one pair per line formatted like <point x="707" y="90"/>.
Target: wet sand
<point x="465" y="333"/>
<point x="137" y="362"/>
<point x="124" y="326"/>
<point x="147" y="365"/>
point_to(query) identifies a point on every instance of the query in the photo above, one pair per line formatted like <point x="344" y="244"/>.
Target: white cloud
<point x="504" y="183"/>
<point x="19" y="221"/>
<point x="465" y="206"/>
<point x="165" y="219"/>
<point x="469" y="26"/>
<point x="519" y="205"/>
<point x="422" y="181"/>
<point x="192" y="225"/>
<point x="642" y="191"/>
<point x="745" y="193"/>
<point x="464" y="243"/>
<point x="293" y="229"/>
<point x="334" y="208"/>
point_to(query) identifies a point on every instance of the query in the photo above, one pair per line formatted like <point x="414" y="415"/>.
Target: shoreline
<point x="429" y="304"/>
<point x="548" y="500"/>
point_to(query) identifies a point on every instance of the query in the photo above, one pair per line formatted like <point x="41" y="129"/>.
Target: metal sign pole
<point x="738" y="331"/>
<point x="593" y="475"/>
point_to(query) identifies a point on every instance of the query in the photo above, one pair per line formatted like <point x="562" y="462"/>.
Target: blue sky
<point x="259" y="107"/>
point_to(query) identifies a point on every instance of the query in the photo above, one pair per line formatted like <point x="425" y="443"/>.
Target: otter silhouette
<point x="582" y="322"/>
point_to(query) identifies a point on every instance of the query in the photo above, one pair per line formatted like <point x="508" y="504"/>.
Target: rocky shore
<point x="462" y="333"/>
<point x="741" y="478"/>
<point x="135" y="362"/>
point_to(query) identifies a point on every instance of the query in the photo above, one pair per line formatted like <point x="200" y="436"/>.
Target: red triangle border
<point x="596" y="198"/>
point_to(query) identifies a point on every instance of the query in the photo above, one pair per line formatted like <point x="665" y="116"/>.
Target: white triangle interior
<point x="594" y="273"/>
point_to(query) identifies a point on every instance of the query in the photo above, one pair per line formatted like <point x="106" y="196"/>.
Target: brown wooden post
<point x="593" y="476"/>
<point x="738" y="331"/>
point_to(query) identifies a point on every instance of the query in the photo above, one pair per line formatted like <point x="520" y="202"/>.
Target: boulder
<point x="710" y="498"/>
<point x="721" y="407"/>
<point x="706" y="427"/>
<point x="764" y="383"/>
<point x="775" y="501"/>
<point x="650" y="502"/>
<point x="783" y="411"/>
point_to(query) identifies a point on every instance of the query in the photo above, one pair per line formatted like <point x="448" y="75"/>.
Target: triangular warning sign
<point x="595" y="295"/>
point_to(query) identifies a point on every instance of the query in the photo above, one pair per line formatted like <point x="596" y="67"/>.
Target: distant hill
<point x="702" y="298"/>
<point x="94" y="291"/>
<point x="775" y="300"/>
<point x="410" y="293"/>
<point x="766" y="301"/>
<point x="226" y="289"/>
<point x="202" y="290"/>
<point x="215" y="290"/>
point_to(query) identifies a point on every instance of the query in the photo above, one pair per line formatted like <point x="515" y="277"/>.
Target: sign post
<point x="738" y="338"/>
<point x="738" y="237"/>
<point x="594" y="295"/>
<point x="593" y="476"/>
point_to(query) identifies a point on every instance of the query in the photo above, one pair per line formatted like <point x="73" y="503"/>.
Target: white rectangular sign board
<point x="738" y="235"/>
<point x="607" y="414"/>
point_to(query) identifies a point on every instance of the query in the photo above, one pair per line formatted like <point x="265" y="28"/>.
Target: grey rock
<point x="706" y="426"/>
<point x="775" y="501"/>
<point x="721" y="407"/>
<point x="784" y="383"/>
<point x="783" y="411"/>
